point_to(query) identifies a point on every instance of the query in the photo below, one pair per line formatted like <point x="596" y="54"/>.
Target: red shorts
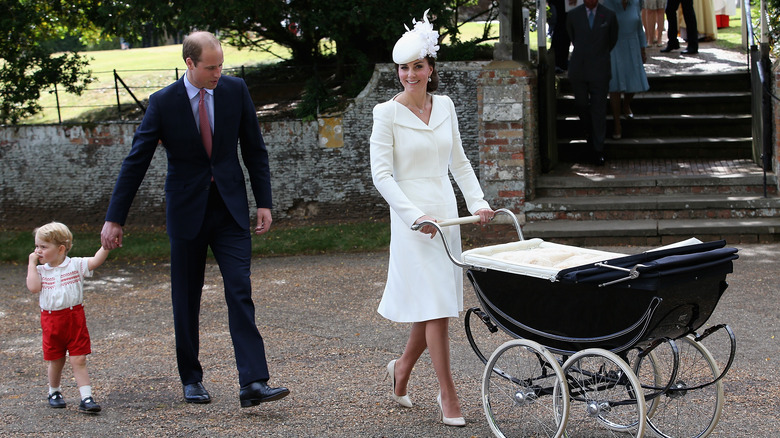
<point x="65" y="331"/>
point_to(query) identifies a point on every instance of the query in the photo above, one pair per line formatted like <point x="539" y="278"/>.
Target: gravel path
<point x="325" y="341"/>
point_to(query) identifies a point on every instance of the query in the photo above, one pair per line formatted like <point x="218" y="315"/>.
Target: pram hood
<point x="681" y="260"/>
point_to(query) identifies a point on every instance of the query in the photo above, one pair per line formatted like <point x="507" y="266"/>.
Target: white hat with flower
<point x="417" y="43"/>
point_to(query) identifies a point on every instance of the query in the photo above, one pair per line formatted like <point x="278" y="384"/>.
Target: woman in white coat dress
<point x="415" y="143"/>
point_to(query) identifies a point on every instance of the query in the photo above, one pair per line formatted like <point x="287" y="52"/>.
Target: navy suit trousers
<point x="232" y="248"/>
<point x="689" y="16"/>
<point x="590" y="99"/>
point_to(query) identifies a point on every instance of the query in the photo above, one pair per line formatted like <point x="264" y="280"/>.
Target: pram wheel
<point x="523" y="392"/>
<point x="603" y="392"/>
<point x="691" y="407"/>
<point x="652" y="379"/>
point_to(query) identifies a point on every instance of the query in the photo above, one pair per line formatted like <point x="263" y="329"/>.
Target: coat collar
<point x="406" y="118"/>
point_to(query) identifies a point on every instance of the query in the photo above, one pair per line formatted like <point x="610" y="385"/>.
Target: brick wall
<point x="508" y="129"/>
<point x="320" y="169"/>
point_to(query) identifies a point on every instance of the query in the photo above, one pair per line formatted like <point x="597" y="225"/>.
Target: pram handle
<point x="472" y="220"/>
<point x="466" y="220"/>
<point x="459" y="221"/>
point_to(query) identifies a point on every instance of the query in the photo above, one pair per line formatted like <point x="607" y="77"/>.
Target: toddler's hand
<point x="33" y="259"/>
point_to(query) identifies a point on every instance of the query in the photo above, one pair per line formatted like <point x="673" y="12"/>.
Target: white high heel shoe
<point x="402" y="400"/>
<point x="456" y="421"/>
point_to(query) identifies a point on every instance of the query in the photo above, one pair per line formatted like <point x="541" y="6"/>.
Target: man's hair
<point x="56" y="233"/>
<point x="193" y="45"/>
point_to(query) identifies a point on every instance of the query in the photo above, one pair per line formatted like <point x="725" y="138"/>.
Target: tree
<point x="28" y="66"/>
<point x="354" y="33"/>
<point x="351" y="30"/>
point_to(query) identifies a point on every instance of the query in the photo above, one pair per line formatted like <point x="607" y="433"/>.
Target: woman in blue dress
<point x="628" y="58"/>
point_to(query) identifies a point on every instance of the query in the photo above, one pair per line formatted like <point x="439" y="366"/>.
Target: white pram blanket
<point x="537" y="258"/>
<point x="534" y="257"/>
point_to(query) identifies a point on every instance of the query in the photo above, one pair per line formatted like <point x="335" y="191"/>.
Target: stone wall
<point x="320" y="169"/>
<point x="67" y="172"/>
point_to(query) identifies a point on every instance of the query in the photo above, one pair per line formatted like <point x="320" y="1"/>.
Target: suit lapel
<point x="184" y="107"/>
<point x="221" y="101"/>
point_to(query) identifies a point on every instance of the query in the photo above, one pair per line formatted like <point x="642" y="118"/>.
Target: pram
<point x="606" y="344"/>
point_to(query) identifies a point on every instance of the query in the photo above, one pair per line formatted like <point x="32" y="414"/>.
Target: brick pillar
<point x="506" y="96"/>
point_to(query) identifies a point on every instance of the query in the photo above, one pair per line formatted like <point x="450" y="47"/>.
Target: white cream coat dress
<point x="409" y="165"/>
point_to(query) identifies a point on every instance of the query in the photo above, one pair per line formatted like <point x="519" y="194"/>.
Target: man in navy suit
<point x="593" y="30"/>
<point x="200" y="120"/>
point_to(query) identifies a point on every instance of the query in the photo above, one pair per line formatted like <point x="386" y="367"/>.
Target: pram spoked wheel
<point x="605" y="396"/>
<point x="523" y="392"/>
<point x="691" y="407"/>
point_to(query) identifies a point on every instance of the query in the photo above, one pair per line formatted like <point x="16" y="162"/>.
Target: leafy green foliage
<point x="351" y="34"/>
<point x="773" y="16"/>
<point x="316" y="99"/>
<point x="28" y="65"/>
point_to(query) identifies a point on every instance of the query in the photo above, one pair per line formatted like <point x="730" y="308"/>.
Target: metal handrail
<point x="761" y="107"/>
<point x="747" y="26"/>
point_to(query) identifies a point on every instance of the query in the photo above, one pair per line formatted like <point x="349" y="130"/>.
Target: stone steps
<point x="669" y="103"/>
<point x="625" y="205"/>
<point x="699" y="116"/>
<point x="568" y="187"/>
<point x="683" y="168"/>
<point x="641" y="207"/>
<point x="654" y="232"/>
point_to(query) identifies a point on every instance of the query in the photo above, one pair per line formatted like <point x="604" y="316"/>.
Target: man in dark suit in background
<point x="560" y="37"/>
<point x="200" y="119"/>
<point x="689" y="15"/>
<point x="593" y="30"/>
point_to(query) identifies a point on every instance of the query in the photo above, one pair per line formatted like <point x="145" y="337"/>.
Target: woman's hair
<point x="56" y="233"/>
<point x="433" y="85"/>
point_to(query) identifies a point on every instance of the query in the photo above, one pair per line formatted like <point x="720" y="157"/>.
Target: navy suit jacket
<point x="169" y="120"/>
<point x="590" y="59"/>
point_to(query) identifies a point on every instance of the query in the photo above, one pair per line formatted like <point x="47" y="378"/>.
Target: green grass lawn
<point x="153" y="246"/>
<point x="731" y="37"/>
<point x="144" y="70"/>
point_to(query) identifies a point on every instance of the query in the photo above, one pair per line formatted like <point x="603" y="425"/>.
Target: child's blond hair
<point x="56" y="233"/>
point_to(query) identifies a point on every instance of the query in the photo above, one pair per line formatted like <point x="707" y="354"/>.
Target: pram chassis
<point x="641" y="376"/>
